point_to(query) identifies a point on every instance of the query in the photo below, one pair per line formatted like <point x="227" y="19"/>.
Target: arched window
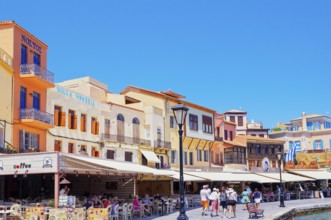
<point x="120" y="117"/>
<point x="135" y="121"/>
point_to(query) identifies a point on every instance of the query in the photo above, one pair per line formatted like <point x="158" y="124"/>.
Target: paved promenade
<point x="271" y="210"/>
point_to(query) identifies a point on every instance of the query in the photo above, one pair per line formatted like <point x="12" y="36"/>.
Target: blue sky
<point x="270" y="58"/>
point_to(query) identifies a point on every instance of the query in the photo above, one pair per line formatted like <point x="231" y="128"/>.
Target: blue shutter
<point x="309" y="126"/>
<point x="315" y="145"/>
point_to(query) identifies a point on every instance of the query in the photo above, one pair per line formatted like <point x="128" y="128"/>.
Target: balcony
<point x="162" y="144"/>
<point x="37" y="76"/>
<point x="218" y="139"/>
<point x="35" y="118"/>
<point x="124" y="139"/>
<point x="30" y="150"/>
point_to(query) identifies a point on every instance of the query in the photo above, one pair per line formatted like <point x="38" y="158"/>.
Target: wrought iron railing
<point x="218" y="139"/>
<point x="7" y="151"/>
<point x="36" y="114"/>
<point x="162" y="144"/>
<point x="4" y="56"/>
<point x="31" y="150"/>
<point x="37" y="70"/>
<point x="124" y="139"/>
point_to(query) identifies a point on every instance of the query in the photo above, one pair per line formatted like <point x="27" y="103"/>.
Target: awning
<point x="286" y="177"/>
<point x="150" y="156"/>
<point x="232" y="177"/>
<point x="116" y="166"/>
<point x="316" y="174"/>
<point x="188" y="178"/>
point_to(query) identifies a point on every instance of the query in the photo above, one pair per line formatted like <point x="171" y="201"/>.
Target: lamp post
<point x="180" y="112"/>
<point x="281" y="197"/>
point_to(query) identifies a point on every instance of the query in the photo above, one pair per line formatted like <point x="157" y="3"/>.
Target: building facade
<point x="31" y="79"/>
<point x="239" y="118"/>
<point x="256" y="129"/>
<point x="308" y="133"/>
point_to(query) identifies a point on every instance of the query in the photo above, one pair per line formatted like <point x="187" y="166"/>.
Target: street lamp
<point x="281" y="196"/>
<point x="180" y="112"/>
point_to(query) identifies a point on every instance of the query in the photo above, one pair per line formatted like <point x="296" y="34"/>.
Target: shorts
<point x="257" y="200"/>
<point x="204" y="204"/>
<point x="224" y="205"/>
<point x="231" y="202"/>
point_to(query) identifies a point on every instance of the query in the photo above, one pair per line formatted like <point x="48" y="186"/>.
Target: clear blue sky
<point x="271" y="58"/>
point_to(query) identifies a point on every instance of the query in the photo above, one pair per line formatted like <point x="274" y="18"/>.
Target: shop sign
<point x="31" y="43"/>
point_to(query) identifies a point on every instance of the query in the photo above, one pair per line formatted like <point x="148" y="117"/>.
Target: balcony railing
<point x="218" y="139"/>
<point x="162" y="144"/>
<point x="31" y="150"/>
<point x="37" y="70"/>
<point x="36" y="114"/>
<point x="7" y="151"/>
<point x="6" y="58"/>
<point x="124" y="139"/>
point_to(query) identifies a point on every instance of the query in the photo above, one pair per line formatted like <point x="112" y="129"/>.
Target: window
<point x="144" y="160"/>
<point x="161" y="164"/>
<point x="136" y="130"/>
<point x="231" y="135"/>
<point x="70" y="148"/>
<point x="233" y="119"/>
<point x="120" y="117"/>
<point x="36" y="59"/>
<point x="83" y="122"/>
<point x="327" y="125"/>
<point x="309" y="126"/>
<point x="193" y="122"/>
<point x="185" y="157"/>
<point x="218" y="132"/>
<point x="24" y="54"/>
<point x="250" y="148"/>
<point x="225" y="134"/>
<point x="235" y="155"/>
<point x="28" y="142"/>
<point x="111" y="154"/>
<point x="258" y="149"/>
<point x="240" y="121"/>
<point x="172" y="122"/>
<point x="261" y="135"/>
<point x="318" y="145"/>
<point x="57" y="145"/>
<point x="206" y="155"/>
<point x="22" y="97"/>
<point x="107" y="126"/>
<point x="279" y="148"/>
<point x="59" y="116"/>
<point x="94" y="152"/>
<point x="272" y="149"/>
<point x="199" y="155"/>
<point x="83" y="148"/>
<point x="72" y="119"/>
<point x="253" y="135"/>
<point x="207" y="123"/>
<point x="94" y="126"/>
<point x="191" y="158"/>
<point x="120" y="128"/>
<point x="173" y="156"/>
<point x="128" y="156"/>
<point x="36" y="100"/>
<point x="266" y="149"/>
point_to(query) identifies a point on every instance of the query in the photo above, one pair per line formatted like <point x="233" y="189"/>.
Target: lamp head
<point x="279" y="155"/>
<point x="180" y="112"/>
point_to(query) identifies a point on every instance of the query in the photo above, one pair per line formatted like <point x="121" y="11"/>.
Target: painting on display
<point x="97" y="214"/>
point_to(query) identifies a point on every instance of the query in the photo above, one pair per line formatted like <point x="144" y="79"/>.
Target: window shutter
<point x="96" y="127"/>
<point x="321" y="143"/>
<point x="315" y="145"/>
<point x="69" y="121"/>
<point x="56" y="117"/>
<point x="63" y="119"/>
<point x="75" y="121"/>
<point x="93" y="127"/>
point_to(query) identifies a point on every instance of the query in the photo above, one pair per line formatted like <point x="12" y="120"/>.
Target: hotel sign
<point x="31" y="43"/>
<point x="75" y="95"/>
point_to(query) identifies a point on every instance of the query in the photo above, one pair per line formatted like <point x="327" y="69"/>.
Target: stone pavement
<point x="271" y="210"/>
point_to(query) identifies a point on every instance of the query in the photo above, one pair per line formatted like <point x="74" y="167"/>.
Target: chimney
<point x="304" y="121"/>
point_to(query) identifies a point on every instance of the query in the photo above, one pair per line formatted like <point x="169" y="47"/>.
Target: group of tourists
<point x="225" y="200"/>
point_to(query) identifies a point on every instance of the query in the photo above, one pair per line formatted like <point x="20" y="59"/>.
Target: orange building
<point x="30" y="82"/>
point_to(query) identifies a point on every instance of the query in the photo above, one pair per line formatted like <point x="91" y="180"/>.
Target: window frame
<point x="193" y="122"/>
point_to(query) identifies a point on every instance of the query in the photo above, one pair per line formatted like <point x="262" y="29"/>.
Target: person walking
<point x="214" y="202"/>
<point x="223" y="198"/>
<point x="245" y="198"/>
<point x="257" y="195"/>
<point x="204" y="199"/>
<point x="232" y="202"/>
